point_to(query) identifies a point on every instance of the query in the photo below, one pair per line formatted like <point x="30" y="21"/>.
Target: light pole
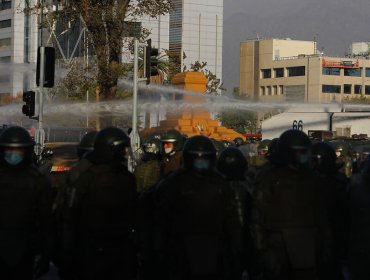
<point x="134" y="135"/>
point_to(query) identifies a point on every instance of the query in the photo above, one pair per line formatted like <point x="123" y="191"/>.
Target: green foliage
<point x="240" y="121"/>
<point x="105" y="22"/>
<point x="214" y="86"/>
<point x="356" y="100"/>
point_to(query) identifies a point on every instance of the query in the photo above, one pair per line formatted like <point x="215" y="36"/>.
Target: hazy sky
<point x="335" y="24"/>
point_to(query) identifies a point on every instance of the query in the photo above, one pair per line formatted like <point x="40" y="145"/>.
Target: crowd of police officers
<point x="193" y="209"/>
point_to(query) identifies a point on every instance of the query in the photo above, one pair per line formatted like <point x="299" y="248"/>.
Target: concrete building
<point x="196" y="29"/>
<point x="18" y="45"/>
<point x="285" y="70"/>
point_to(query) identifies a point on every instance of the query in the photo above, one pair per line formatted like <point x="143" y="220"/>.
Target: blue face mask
<point x="303" y="159"/>
<point x="202" y="164"/>
<point x="13" y="157"/>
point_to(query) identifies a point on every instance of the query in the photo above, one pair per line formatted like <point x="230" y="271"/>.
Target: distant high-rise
<point x="193" y="28"/>
<point x="196" y="31"/>
<point x="18" y="44"/>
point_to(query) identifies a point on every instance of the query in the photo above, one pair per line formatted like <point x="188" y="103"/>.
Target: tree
<point x="105" y="21"/>
<point x="240" y="121"/>
<point x="214" y="86"/>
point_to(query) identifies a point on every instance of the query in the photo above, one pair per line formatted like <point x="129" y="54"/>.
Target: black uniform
<point x="359" y="245"/>
<point x="25" y="209"/>
<point x="101" y="212"/>
<point x="290" y="223"/>
<point x="233" y="165"/>
<point x="198" y="237"/>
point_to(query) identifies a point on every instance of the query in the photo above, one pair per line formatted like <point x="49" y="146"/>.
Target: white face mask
<point x="168" y="150"/>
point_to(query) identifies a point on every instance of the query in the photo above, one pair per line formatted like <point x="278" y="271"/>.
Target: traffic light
<point x="151" y="63"/>
<point x="49" y="66"/>
<point x="29" y="108"/>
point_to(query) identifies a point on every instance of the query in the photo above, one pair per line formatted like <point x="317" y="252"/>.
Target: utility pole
<point x="134" y="135"/>
<point x="40" y="132"/>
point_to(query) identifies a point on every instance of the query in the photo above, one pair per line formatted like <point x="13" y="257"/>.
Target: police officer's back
<point x="333" y="188"/>
<point x="25" y="207"/>
<point x="285" y="221"/>
<point x="233" y="165"/>
<point x="66" y="243"/>
<point x="198" y="230"/>
<point x="359" y="245"/>
<point x="102" y="210"/>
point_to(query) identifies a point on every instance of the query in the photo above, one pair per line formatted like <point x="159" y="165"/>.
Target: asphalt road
<point x="65" y="154"/>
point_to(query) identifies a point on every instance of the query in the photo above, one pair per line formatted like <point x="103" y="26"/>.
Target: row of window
<point x="271" y="90"/>
<point x="5" y="43"/>
<point x="5" y="5"/>
<point x="5" y="59"/>
<point x="280" y="72"/>
<point x="354" y="72"/>
<point x="347" y="89"/>
<point x="5" y="23"/>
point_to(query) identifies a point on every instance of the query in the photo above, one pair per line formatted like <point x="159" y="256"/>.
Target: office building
<point x="286" y="70"/>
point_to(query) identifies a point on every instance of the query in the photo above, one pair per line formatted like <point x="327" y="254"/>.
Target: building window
<point x="281" y="90"/>
<point x="5" y="78"/>
<point x="355" y="72"/>
<point x="268" y="91"/>
<point x="367" y="72"/>
<point x="347" y="89"/>
<point x="266" y="73"/>
<point x="5" y="59"/>
<point x="296" y="71"/>
<point x="275" y="90"/>
<point x="4" y="5"/>
<point x="279" y="72"/>
<point x="5" y="23"/>
<point x="262" y="91"/>
<point x="5" y="43"/>
<point x="330" y="71"/>
<point x="367" y="90"/>
<point x="330" y="89"/>
<point x="358" y="89"/>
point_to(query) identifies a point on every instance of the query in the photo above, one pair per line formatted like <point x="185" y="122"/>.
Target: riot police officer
<point x="359" y="242"/>
<point x="233" y="165"/>
<point x="198" y="233"/>
<point x="284" y="221"/>
<point x="172" y="143"/>
<point x="66" y="240"/>
<point x="25" y="207"/>
<point x="334" y="190"/>
<point x="148" y="171"/>
<point x="101" y="211"/>
<point x="343" y="151"/>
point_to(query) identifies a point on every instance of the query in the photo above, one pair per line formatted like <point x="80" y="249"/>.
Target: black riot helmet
<point x="110" y="144"/>
<point x="294" y="148"/>
<point x="173" y="136"/>
<point x="199" y="154"/>
<point x="273" y="147"/>
<point x="86" y="144"/>
<point x="152" y="145"/>
<point x="232" y="164"/>
<point x="16" y="137"/>
<point x="16" y="147"/>
<point x="324" y="158"/>
<point x="263" y="147"/>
